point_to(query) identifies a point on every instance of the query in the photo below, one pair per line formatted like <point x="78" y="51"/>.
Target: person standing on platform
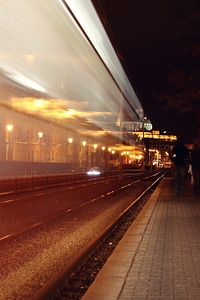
<point x="180" y="159"/>
<point x="195" y="160"/>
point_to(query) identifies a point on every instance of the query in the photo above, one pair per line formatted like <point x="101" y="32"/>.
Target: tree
<point x="184" y="79"/>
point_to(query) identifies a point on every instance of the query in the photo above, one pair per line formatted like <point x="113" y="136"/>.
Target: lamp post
<point x="143" y="142"/>
<point x="107" y="153"/>
<point x="95" y="150"/>
<point x="70" y="140"/>
<point x="40" y="135"/>
<point x="9" y="151"/>
<point x="103" y="156"/>
<point x="84" y="159"/>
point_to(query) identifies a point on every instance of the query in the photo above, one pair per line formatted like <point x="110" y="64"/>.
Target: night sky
<point x="147" y="34"/>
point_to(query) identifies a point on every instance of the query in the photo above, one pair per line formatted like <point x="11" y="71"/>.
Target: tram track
<point x="33" y="231"/>
<point x="65" y="284"/>
<point x="13" y="235"/>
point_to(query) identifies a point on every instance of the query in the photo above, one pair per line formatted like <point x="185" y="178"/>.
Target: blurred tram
<point x="65" y="97"/>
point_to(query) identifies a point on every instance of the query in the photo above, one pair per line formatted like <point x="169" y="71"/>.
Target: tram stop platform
<point x="159" y="256"/>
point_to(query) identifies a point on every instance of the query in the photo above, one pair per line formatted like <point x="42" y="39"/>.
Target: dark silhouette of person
<point x="195" y="160"/>
<point x="180" y="159"/>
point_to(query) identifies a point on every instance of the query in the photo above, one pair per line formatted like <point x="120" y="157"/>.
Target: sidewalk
<point x="159" y="257"/>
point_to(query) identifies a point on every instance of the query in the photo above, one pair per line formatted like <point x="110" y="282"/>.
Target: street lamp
<point x="69" y="153"/>
<point x="9" y="127"/>
<point x="84" y="155"/>
<point x="104" y="157"/>
<point x="70" y="140"/>
<point x="95" y="151"/>
<point x="40" y="135"/>
<point x="9" y="152"/>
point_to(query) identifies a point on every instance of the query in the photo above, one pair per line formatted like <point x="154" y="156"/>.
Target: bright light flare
<point x="93" y="172"/>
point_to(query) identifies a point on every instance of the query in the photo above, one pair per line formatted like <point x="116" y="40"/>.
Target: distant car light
<point x="93" y="172"/>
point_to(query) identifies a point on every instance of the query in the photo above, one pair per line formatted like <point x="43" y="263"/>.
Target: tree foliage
<point x="184" y="95"/>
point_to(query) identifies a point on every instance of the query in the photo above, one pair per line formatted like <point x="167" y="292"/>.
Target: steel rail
<point x="38" y="224"/>
<point x="47" y="290"/>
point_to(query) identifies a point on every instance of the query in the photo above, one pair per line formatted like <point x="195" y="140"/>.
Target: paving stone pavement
<point x="159" y="256"/>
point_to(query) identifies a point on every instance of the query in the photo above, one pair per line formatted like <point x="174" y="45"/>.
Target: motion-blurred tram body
<point x="65" y="97"/>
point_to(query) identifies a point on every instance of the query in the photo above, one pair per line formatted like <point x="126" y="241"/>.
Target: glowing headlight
<point x="93" y="172"/>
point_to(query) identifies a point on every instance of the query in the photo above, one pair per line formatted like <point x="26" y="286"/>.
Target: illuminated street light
<point x="9" y="127"/>
<point x="69" y="152"/>
<point x="104" y="156"/>
<point x="84" y="155"/>
<point x="95" y="155"/>
<point x="40" y="135"/>
<point x="9" y="151"/>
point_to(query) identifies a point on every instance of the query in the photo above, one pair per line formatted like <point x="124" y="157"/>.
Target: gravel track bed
<point x="75" y="287"/>
<point x="27" y="264"/>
